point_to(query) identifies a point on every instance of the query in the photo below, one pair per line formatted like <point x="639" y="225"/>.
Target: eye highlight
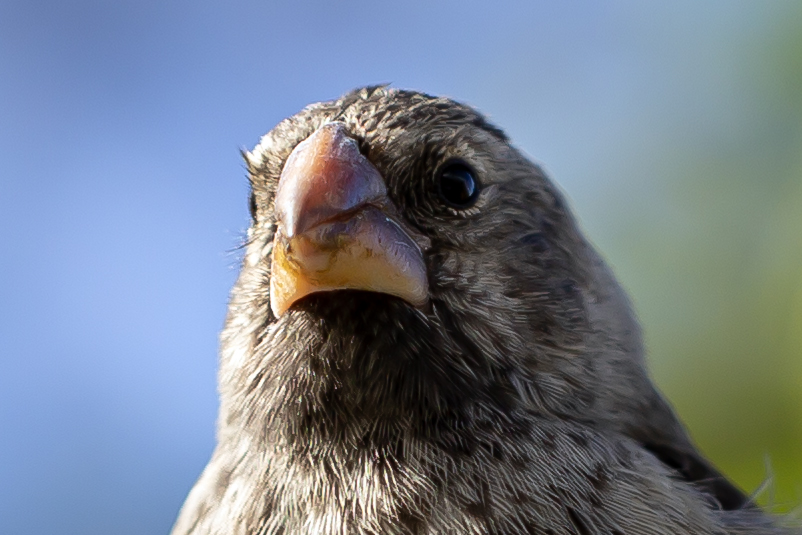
<point x="457" y="185"/>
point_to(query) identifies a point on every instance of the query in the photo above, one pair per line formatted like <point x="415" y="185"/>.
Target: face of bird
<point x="421" y="338"/>
<point x="405" y="259"/>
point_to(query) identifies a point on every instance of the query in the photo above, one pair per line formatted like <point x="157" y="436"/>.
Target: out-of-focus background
<point x="675" y="129"/>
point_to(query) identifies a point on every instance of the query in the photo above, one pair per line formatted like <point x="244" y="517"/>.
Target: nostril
<point x="364" y="146"/>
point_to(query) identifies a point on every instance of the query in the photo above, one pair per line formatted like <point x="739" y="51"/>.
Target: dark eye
<point x="457" y="185"/>
<point x="252" y="206"/>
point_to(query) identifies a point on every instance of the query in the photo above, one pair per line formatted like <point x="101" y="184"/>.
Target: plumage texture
<point x="517" y="402"/>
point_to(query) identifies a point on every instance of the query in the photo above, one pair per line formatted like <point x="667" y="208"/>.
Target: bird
<point x="422" y="341"/>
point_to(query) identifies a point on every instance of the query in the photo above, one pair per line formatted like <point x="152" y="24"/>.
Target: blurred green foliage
<point x="716" y="275"/>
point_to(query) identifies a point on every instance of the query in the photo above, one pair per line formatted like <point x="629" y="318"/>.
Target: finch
<point x="421" y="341"/>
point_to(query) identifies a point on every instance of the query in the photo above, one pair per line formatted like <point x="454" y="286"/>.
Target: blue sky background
<point x="123" y="195"/>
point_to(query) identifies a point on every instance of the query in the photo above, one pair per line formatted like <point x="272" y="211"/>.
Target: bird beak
<point x="338" y="229"/>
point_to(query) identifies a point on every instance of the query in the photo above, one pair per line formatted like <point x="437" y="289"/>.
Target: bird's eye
<point x="252" y="206"/>
<point x="457" y="185"/>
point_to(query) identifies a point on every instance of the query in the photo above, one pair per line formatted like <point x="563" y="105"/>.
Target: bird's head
<point x="406" y="261"/>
